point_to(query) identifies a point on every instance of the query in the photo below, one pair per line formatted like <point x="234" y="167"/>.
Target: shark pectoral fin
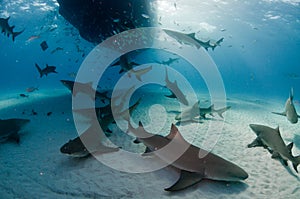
<point x="275" y="155"/>
<point x="256" y="143"/>
<point x="185" y="180"/>
<point x="283" y="114"/>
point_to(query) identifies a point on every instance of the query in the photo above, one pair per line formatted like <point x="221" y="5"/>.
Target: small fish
<point x="33" y="112"/>
<point x="23" y="95"/>
<point x="31" y="89"/>
<point x="49" y="113"/>
<point x="56" y="49"/>
<point x="33" y="37"/>
<point x="145" y="16"/>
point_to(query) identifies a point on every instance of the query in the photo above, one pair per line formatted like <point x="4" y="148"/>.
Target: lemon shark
<point x="76" y="148"/>
<point x="9" y="128"/>
<point x="105" y="117"/>
<point x="190" y="39"/>
<point x="45" y="71"/>
<point x="290" y="111"/>
<point x="191" y="114"/>
<point x="176" y="151"/>
<point x="271" y="139"/>
<point x="128" y="66"/>
<point x="176" y="92"/>
<point x="8" y="30"/>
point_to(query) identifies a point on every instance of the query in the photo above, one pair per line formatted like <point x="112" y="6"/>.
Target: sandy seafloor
<point x="36" y="169"/>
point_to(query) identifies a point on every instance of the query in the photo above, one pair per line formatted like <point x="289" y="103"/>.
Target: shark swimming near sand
<point x="190" y="39"/>
<point x="271" y="139"/>
<point x="8" y="30"/>
<point x="290" y="110"/>
<point x="194" y="112"/>
<point x="105" y="117"/>
<point x="173" y="87"/>
<point x="45" y="71"/>
<point x="76" y="148"/>
<point x="193" y="168"/>
<point x="85" y="88"/>
<point x="9" y="129"/>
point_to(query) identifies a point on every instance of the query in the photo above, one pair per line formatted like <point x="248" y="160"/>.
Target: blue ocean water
<point x="257" y="59"/>
<point x="259" y="55"/>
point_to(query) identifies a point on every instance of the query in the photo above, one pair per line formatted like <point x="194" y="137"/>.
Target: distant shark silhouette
<point x="168" y="62"/>
<point x="290" y="111"/>
<point x="128" y="66"/>
<point x="193" y="169"/>
<point x="45" y="71"/>
<point x="190" y="39"/>
<point x="190" y="114"/>
<point x="8" y="30"/>
<point x="85" y="88"/>
<point x="271" y="139"/>
<point x="9" y="129"/>
<point x="210" y="110"/>
<point x="173" y="87"/>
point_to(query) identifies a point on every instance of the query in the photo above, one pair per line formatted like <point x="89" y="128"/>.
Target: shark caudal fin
<point x="296" y="163"/>
<point x="222" y="110"/>
<point x="14" y="34"/>
<point x="220" y="41"/>
<point x="39" y="69"/>
<point x="296" y="160"/>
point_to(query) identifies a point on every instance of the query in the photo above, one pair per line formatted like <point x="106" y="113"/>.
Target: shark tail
<point x="15" y="34"/>
<point x="220" y="41"/>
<point x="296" y="163"/>
<point x="39" y="69"/>
<point x="222" y="110"/>
<point x="296" y="160"/>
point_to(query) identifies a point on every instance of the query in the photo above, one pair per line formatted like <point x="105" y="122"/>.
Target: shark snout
<point x="255" y="127"/>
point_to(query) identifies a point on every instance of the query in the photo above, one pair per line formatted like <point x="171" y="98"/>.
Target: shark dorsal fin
<point x="175" y="82"/>
<point x="196" y="105"/>
<point x="208" y="42"/>
<point x="191" y="35"/>
<point x="173" y="132"/>
<point x="140" y="124"/>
